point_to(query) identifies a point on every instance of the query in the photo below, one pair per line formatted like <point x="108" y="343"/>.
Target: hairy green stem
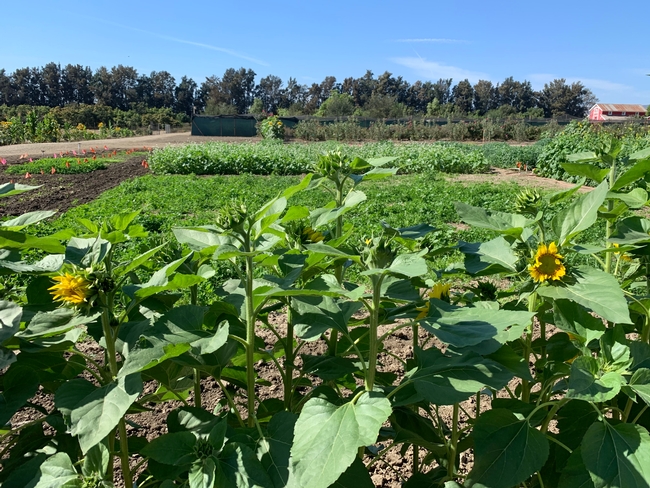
<point x="525" y="384"/>
<point x="453" y="444"/>
<point x="609" y="224"/>
<point x="124" y="454"/>
<point x="289" y="361"/>
<point x="250" y="342"/>
<point x="373" y="340"/>
<point x="197" y="388"/>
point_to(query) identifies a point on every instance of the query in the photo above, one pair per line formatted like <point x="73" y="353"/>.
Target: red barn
<point x="615" y="111"/>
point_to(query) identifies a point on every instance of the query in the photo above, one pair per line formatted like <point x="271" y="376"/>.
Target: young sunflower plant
<point x="587" y="346"/>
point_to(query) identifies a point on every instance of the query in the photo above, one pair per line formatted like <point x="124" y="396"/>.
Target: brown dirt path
<point x="523" y="178"/>
<point x="160" y="140"/>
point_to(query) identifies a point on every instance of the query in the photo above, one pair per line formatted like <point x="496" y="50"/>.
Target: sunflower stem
<point x="609" y="224"/>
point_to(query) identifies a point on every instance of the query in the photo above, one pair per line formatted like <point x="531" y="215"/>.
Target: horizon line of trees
<point x="236" y="92"/>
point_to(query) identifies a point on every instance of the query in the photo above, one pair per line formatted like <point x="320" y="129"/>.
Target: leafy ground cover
<point x="550" y="369"/>
<point x="271" y="157"/>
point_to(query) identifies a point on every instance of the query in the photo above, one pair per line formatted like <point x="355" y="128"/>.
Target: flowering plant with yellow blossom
<point x="71" y="289"/>
<point x="272" y="128"/>
<point x="548" y="264"/>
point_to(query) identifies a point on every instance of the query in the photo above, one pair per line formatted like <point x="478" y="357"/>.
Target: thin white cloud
<point x="539" y="79"/>
<point x="435" y="40"/>
<point x="191" y="43"/>
<point x="606" y="91"/>
<point x="433" y="71"/>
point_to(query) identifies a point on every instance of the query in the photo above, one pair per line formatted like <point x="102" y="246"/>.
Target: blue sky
<point x="604" y="45"/>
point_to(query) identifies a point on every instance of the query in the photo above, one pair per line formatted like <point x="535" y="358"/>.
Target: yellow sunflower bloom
<point x="70" y="289"/>
<point x="439" y="291"/>
<point x="548" y="264"/>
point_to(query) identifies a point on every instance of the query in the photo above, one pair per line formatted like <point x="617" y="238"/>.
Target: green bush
<point x="583" y="136"/>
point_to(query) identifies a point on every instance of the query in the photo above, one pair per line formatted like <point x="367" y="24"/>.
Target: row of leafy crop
<point x="546" y="383"/>
<point x="580" y="137"/>
<point x="271" y="157"/>
<point x="48" y="129"/>
<point x="476" y="130"/>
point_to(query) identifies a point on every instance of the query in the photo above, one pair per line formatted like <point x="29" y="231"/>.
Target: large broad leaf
<point x="275" y="450"/>
<point x="470" y="326"/>
<point x="325" y="215"/>
<point x="594" y="290"/>
<point x="483" y="258"/>
<point x="60" y="320"/>
<point x="636" y="172"/>
<point x="56" y="472"/>
<point x="202" y="473"/>
<point x="94" y="416"/>
<point x="18" y="240"/>
<point x="587" y="382"/>
<point x="640" y="383"/>
<point x="410" y="265"/>
<point x="28" y="218"/>
<point x="576" y="320"/>
<point x="617" y="456"/>
<point x="504" y="223"/>
<point x="19" y="384"/>
<point x="446" y="380"/>
<point x="575" y="474"/>
<point x="9" y="189"/>
<point x="632" y="230"/>
<point x="580" y="215"/>
<point x="636" y="198"/>
<point x="86" y="252"/>
<point x="591" y="171"/>
<point x="165" y="279"/>
<point x="175" y="448"/>
<point x="199" y="238"/>
<point x="507" y="450"/>
<point x="176" y="332"/>
<point x="239" y="466"/>
<point x="10" y="315"/>
<point x="327" y="438"/>
<point x="96" y="461"/>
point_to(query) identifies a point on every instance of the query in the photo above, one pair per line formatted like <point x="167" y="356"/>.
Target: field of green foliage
<point x="282" y="281"/>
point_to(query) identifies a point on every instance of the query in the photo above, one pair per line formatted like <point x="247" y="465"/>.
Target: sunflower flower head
<point x="439" y="291"/>
<point x="310" y="235"/>
<point x="70" y="289"/>
<point x="548" y="264"/>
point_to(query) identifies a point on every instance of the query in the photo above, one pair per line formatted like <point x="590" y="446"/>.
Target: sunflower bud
<point x="233" y="216"/>
<point x="528" y="201"/>
<point x="378" y="253"/>
<point x="332" y="162"/>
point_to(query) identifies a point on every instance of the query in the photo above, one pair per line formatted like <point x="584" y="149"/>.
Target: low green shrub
<point x="583" y="136"/>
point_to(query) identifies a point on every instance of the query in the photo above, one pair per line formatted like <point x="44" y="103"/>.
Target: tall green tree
<point x="76" y="82"/>
<point x="484" y="97"/>
<point x="463" y="96"/>
<point x="184" y="95"/>
<point x="557" y="98"/>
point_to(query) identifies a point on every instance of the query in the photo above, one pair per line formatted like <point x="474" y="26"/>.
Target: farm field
<point x="373" y="321"/>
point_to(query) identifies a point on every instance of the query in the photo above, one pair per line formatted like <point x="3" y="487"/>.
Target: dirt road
<point x="161" y="140"/>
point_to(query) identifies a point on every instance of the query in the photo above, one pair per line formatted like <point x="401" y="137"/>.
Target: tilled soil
<point x="62" y="192"/>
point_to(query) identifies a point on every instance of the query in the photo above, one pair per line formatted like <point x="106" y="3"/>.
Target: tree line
<point x="237" y="92"/>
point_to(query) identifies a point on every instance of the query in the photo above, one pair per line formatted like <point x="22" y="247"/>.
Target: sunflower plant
<point x="543" y="379"/>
